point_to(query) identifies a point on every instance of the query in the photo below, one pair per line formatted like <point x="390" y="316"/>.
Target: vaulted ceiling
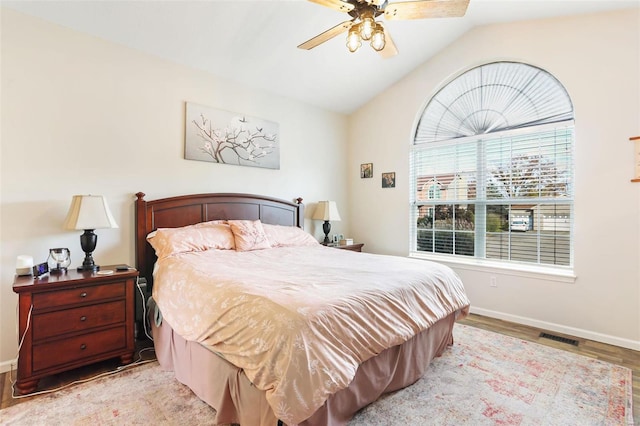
<point x="254" y="42"/>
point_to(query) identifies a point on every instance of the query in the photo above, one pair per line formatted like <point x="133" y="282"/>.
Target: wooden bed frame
<point x="224" y="386"/>
<point x="186" y="210"/>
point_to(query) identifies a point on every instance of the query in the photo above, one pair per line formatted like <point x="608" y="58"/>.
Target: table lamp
<point x="89" y="212"/>
<point x="326" y="210"/>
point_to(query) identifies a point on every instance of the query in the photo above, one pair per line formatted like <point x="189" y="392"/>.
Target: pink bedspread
<point x="299" y="320"/>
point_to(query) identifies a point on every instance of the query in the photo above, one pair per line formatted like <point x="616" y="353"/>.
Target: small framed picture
<point x="389" y="180"/>
<point x="366" y="170"/>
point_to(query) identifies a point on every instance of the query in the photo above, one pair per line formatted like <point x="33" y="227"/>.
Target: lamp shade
<point x="326" y="210"/>
<point x="89" y="212"/>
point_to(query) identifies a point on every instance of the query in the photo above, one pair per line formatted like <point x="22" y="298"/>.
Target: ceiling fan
<point x="363" y="25"/>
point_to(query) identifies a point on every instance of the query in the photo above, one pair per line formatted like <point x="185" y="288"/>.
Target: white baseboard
<point x="6" y="365"/>
<point x="577" y="332"/>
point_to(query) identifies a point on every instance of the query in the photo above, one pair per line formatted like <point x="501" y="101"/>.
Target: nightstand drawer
<point x="78" y="295"/>
<point x="78" y="348"/>
<point x="77" y="319"/>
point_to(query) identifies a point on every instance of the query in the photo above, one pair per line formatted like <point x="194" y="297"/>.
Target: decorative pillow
<point x="288" y="236"/>
<point x="249" y="235"/>
<point x="195" y="225"/>
<point x="198" y="237"/>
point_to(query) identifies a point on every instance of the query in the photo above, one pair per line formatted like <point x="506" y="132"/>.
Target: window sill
<point x="560" y="274"/>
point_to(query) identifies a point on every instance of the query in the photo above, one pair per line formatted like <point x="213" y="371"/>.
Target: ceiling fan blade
<point x="335" y="4"/>
<point x="389" y="48"/>
<point x="325" y="36"/>
<point x="426" y="9"/>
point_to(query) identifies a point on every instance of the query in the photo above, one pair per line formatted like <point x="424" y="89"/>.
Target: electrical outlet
<point x="493" y="282"/>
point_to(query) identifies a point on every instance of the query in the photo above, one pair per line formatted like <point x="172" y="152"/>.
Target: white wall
<point x="596" y="57"/>
<point x="80" y="115"/>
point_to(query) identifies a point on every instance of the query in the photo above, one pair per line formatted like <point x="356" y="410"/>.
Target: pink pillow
<point x="249" y="235"/>
<point x="288" y="236"/>
<point x="198" y="237"/>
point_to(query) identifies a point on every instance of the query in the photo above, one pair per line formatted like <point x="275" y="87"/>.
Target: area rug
<point x="485" y="378"/>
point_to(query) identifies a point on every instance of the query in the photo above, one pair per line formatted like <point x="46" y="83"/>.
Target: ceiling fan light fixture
<point x="362" y="24"/>
<point x="353" y="39"/>
<point x="367" y="27"/>
<point x="377" y="38"/>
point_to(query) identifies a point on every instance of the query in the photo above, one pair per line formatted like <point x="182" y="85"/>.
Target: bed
<point x="291" y="332"/>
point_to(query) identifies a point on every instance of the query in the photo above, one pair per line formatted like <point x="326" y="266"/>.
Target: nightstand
<point x="73" y="319"/>
<point x="352" y="247"/>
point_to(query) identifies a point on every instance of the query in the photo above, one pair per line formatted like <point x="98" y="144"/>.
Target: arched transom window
<point x="497" y="143"/>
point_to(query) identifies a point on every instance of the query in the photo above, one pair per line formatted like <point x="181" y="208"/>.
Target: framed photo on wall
<point x="366" y="170"/>
<point x="389" y="180"/>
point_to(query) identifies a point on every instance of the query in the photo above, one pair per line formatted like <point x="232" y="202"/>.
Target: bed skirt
<point x="228" y="390"/>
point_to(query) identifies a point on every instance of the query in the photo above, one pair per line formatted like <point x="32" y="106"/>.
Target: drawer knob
<point x="83" y="318"/>
<point x="83" y="346"/>
<point x="83" y="294"/>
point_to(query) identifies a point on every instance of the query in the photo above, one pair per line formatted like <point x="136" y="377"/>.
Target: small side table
<point x="73" y="319"/>
<point x="351" y="247"/>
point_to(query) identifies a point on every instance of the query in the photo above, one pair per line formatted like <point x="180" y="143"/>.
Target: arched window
<point x="498" y="140"/>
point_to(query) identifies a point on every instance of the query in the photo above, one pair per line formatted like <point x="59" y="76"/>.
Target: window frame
<point x="559" y="273"/>
<point x="521" y="270"/>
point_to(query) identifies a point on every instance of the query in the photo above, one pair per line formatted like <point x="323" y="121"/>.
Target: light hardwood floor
<point x="613" y="354"/>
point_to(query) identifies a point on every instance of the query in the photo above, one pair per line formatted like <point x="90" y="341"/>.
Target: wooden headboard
<point x="186" y="210"/>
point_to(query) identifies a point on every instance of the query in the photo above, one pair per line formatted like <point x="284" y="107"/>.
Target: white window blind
<point x="505" y="192"/>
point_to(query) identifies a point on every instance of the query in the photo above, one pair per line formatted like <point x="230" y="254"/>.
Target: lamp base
<point x="88" y="242"/>
<point x="326" y="228"/>
<point x="92" y="268"/>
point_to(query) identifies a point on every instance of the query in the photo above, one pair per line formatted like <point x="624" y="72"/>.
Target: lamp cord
<point x="144" y="309"/>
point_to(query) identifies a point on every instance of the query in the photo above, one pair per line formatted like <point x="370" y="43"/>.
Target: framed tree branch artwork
<point x="224" y="137"/>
